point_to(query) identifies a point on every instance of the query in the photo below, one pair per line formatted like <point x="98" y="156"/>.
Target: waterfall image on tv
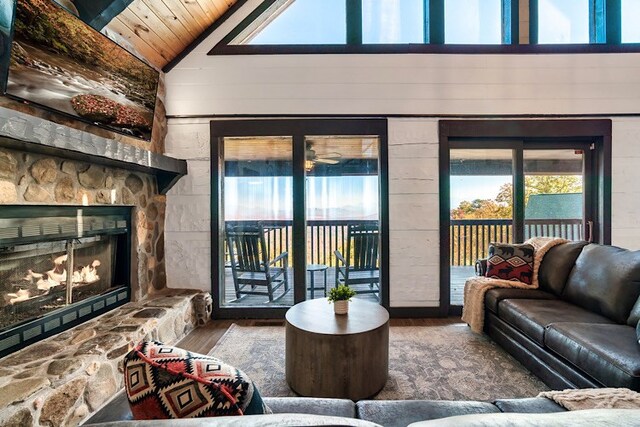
<point x="59" y="62"/>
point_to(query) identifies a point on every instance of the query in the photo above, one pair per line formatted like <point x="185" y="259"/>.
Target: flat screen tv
<point x="52" y="59"/>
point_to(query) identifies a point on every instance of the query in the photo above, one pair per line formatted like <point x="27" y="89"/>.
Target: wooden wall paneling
<point x="182" y="29"/>
<point x="161" y="29"/>
<point x="147" y="33"/>
<point x="173" y="33"/>
<point x="210" y="10"/>
<point x="189" y="14"/>
<point x="142" y="47"/>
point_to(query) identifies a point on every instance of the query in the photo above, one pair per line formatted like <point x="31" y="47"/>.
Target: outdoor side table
<point x="313" y="269"/>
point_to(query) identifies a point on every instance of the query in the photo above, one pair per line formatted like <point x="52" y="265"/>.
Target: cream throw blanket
<point x="594" y="398"/>
<point x="475" y="288"/>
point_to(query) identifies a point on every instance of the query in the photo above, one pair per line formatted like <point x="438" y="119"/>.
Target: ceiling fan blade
<point x="327" y="161"/>
<point x="333" y="155"/>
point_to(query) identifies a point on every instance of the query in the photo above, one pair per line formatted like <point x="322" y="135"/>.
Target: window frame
<point x="433" y="33"/>
<point x="604" y="30"/>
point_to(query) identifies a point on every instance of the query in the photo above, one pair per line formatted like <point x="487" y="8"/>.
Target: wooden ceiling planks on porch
<point x="160" y="29"/>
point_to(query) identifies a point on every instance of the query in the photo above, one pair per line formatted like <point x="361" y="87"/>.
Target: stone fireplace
<point x="60" y="266"/>
<point x="81" y="234"/>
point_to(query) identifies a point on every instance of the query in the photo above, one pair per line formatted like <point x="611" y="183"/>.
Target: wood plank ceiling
<point x="160" y="30"/>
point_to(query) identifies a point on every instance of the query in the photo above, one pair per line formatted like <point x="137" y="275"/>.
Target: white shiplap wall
<point x="438" y="85"/>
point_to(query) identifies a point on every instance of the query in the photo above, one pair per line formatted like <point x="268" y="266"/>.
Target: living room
<point x="211" y="172"/>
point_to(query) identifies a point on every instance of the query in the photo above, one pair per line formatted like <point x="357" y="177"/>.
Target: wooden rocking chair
<point x="251" y="266"/>
<point x="360" y="265"/>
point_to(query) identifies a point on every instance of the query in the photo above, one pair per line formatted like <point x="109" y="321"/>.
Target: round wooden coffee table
<point x="332" y="355"/>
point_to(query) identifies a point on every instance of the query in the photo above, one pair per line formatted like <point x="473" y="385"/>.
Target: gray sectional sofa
<point x="391" y="413"/>
<point x="302" y="411"/>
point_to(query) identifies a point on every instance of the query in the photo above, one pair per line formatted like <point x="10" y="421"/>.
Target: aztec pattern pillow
<point x="167" y="382"/>
<point x="510" y="262"/>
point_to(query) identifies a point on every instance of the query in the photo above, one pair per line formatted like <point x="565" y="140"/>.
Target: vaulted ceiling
<point x="159" y="30"/>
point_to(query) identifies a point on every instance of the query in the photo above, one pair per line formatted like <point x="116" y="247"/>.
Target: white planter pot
<point x="341" y="307"/>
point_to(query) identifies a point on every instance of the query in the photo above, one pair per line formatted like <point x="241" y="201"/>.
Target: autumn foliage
<point x="101" y="109"/>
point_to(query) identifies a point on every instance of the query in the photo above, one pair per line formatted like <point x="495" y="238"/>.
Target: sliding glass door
<point x="509" y="191"/>
<point x="296" y="210"/>
<point x="343" y="222"/>
<point x="554" y="193"/>
<point x="481" y="209"/>
<point x="258" y="218"/>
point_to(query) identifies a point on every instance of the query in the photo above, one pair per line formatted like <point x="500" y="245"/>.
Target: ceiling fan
<point x="312" y="157"/>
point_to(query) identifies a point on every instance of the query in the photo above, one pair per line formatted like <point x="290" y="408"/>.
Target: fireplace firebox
<point x="60" y="266"/>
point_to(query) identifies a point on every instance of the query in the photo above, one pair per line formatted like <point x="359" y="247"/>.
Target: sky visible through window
<point x="330" y="197"/>
<point x="563" y="21"/>
<point x="307" y="22"/>
<point x="393" y="21"/>
<point x="470" y="188"/>
<point x="630" y="18"/>
<point x="383" y="21"/>
<point x="402" y="21"/>
<point x="472" y="21"/>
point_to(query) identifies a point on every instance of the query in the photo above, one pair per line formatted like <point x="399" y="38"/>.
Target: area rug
<point x="445" y="361"/>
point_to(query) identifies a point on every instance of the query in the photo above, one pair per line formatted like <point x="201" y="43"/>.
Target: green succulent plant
<point x="341" y="293"/>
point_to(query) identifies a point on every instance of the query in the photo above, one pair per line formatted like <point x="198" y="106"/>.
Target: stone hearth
<point x="62" y="380"/>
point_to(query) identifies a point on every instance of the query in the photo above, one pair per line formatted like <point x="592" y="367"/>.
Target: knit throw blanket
<point x="475" y="288"/>
<point x="594" y="398"/>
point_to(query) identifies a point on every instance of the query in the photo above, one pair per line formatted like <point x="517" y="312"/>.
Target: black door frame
<point x="551" y="133"/>
<point x="297" y="129"/>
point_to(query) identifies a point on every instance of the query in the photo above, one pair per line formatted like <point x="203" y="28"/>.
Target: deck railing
<point x="323" y="238"/>
<point x="470" y="238"/>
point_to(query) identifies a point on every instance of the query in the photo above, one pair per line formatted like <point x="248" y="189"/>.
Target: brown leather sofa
<point x="579" y="328"/>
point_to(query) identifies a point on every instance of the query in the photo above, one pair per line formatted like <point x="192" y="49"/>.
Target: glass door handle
<point x="590" y="231"/>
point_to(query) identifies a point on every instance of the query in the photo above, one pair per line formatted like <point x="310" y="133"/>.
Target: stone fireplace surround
<point x="63" y="379"/>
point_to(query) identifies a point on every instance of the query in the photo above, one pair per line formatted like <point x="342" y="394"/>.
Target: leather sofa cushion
<point x="396" y="413"/>
<point x="311" y="405"/>
<point x="557" y="265"/>
<point x="531" y="316"/>
<point x="605" y="280"/>
<point x="493" y="297"/>
<point x="531" y="405"/>
<point x="609" y="353"/>
<point x="634" y="317"/>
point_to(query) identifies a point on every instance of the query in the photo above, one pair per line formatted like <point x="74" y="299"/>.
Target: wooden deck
<point x="458" y="276"/>
<point x="287" y="299"/>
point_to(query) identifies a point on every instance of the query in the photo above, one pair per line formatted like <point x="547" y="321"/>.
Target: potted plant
<point x="340" y="297"/>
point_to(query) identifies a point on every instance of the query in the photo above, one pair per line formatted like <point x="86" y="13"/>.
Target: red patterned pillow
<point x="510" y="262"/>
<point x="167" y="382"/>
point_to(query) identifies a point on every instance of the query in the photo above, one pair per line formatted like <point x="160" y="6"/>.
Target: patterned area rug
<point x="445" y="361"/>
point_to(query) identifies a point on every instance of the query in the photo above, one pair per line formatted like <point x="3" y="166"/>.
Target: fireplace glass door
<point x="60" y="266"/>
<point x="35" y="278"/>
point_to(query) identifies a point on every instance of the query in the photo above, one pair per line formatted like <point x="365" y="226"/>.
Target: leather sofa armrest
<point x="481" y="267"/>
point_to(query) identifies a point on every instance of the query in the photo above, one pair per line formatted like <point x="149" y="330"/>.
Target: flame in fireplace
<point x="56" y="277"/>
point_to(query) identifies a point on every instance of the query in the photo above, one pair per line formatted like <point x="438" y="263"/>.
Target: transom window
<point x="298" y="22"/>
<point x="472" y="21"/>
<point x="563" y="21"/>
<point x="410" y="26"/>
<point x="630" y="21"/>
<point x="393" y="21"/>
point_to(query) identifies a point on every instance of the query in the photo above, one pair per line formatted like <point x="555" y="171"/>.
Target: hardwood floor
<point x="201" y="340"/>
